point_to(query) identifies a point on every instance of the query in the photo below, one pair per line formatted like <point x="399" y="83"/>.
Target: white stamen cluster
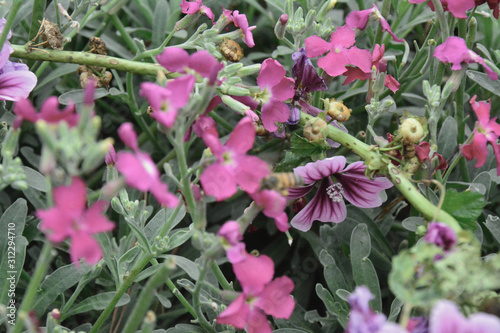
<point x="335" y="192"/>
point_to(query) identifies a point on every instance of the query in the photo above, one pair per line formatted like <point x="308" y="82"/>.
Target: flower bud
<point x="234" y="91"/>
<point x="9" y="146"/>
<point x="314" y="129"/>
<point x="311" y="15"/>
<point x="234" y="104"/>
<point x="249" y="70"/>
<point x="232" y="68"/>
<point x="117" y="206"/>
<point x="96" y="155"/>
<point x="411" y="130"/>
<point x="280" y="27"/>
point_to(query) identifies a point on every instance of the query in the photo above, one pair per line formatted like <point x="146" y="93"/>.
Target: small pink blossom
<point x="488" y="130"/>
<point x="457" y="8"/>
<point x="241" y="21"/>
<point x="190" y="8"/>
<point x="341" y="52"/>
<point x="203" y="122"/>
<point x="167" y="101"/>
<point x="175" y="59"/>
<point x="261" y="295"/>
<point x="359" y="19"/>
<point x="139" y="169"/>
<point x="273" y="205"/>
<point x="49" y="112"/>
<point x="455" y="51"/>
<point x="110" y="157"/>
<point x="235" y="249"/>
<point x="233" y="167"/>
<point x="69" y="218"/>
<point x="276" y="88"/>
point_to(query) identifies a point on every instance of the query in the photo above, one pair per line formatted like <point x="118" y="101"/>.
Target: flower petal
<point x="273" y="112"/>
<point x="236" y="314"/>
<point x="316" y="46"/>
<point x="254" y="273"/>
<point x="16" y="84"/>
<point x="86" y="247"/>
<point x="257" y="322"/>
<point x="314" y="171"/>
<point x="275" y="299"/>
<point x="249" y="172"/>
<point x="242" y="137"/>
<point x="174" y="59"/>
<point x="477" y="149"/>
<point x="218" y="181"/>
<point x="271" y="73"/>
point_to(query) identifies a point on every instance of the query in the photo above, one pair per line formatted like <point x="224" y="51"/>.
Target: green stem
<point x="438" y="8"/>
<point x="124" y="34"/>
<point x="36" y="16"/>
<point x="145" y="299"/>
<point x="10" y="19"/>
<point x="121" y="290"/>
<point x="84" y="58"/>
<point x="196" y="298"/>
<point x="30" y="295"/>
<point x="220" y="276"/>
<point x="459" y="99"/>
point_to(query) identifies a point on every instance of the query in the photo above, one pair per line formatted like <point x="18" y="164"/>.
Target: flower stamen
<point x="335" y="192"/>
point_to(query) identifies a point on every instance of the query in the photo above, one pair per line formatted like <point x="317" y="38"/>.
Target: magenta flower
<point x="341" y="52"/>
<point x="423" y="152"/>
<point x="16" y="81"/>
<point x="167" y="101"/>
<point x="190" y="8"/>
<point x="139" y="169"/>
<point x="276" y="88"/>
<point x="377" y="58"/>
<point x="175" y="59"/>
<point x="362" y="319"/>
<point x="203" y="122"/>
<point x="241" y="21"/>
<point x="328" y="203"/>
<point x="446" y="318"/>
<point x="359" y="19"/>
<point x="110" y="157"/>
<point x="441" y="235"/>
<point x="233" y="167"/>
<point x="235" y="249"/>
<point x="488" y="130"/>
<point x="261" y="295"/>
<point x="49" y="112"/>
<point x="69" y="218"/>
<point x="455" y="51"/>
<point x="456" y="7"/>
<point x="273" y="205"/>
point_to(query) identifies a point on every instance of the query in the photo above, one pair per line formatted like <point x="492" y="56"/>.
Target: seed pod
<point x="314" y="129"/>
<point x="336" y="109"/>
<point x="411" y="130"/>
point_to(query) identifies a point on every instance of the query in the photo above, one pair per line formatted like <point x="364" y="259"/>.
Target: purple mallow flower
<point x="335" y="182"/>
<point x="441" y="235"/>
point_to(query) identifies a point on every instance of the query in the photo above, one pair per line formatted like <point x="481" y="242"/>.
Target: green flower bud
<point x="234" y="104"/>
<point x="117" y="206"/>
<point x="411" y="130"/>
<point x="95" y="156"/>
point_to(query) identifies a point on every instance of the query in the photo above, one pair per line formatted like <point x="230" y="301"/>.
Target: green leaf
<point x="97" y="302"/>
<point x="332" y="307"/>
<point x="412" y="223"/>
<point x="395" y="309"/>
<point x="179" y="237"/>
<point x="302" y="147"/>
<point x="158" y="221"/>
<point x="188" y="266"/>
<point x="484" y="81"/>
<point x="493" y="225"/>
<point x="183" y="328"/>
<point x="11" y="231"/>
<point x="35" y="179"/>
<point x="333" y="275"/>
<point x="160" y="19"/>
<point x="56" y="283"/>
<point x="141" y="238"/>
<point x="447" y="141"/>
<point x="127" y="261"/>
<point x="362" y="268"/>
<point x="290" y="162"/>
<point x="465" y="207"/>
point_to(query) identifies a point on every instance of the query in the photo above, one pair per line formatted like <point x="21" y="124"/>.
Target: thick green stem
<point x="220" y="276"/>
<point x="30" y="295"/>
<point x="84" y="58"/>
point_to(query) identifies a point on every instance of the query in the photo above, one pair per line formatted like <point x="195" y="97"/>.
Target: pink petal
<point x="208" y="12"/>
<point x="359" y="190"/>
<point x="180" y="89"/>
<point x="320" y="208"/>
<point x="72" y="199"/>
<point x="343" y="37"/>
<point x="271" y="73"/>
<point x="482" y="110"/>
<point x="139" y="170"/>
<point x="445" y="318"/>
<point x="93" y="219"/>
<point x="24" y="110"/>
<point x="167" y="118"/>
<point x="272" y="112"/>
<point x="360" y="58"/>
<point x="242" y="138"/>
<point x="316" y="46"/>
<point x="211" y="139"/>
<point x="358" y="19"/>
<point x="128" y="136"/>
<point x="231" y="232"/>
<point x="275" y="299"/>
<point x="56" y="224"/>
<point x="16" y="84"/>
<point x="274" y="203"/>
<point x="391" y="83"/>
<point x="483" y="323"/>
<point x="281" y="222"/>
<point x="334" y="64"/>
<point x="257" y="322"/>
<point x="254" y="273"/>
<point x="354" y="73"/>
<point x="218" y="181"/>
<point x="477" y="149"/>
<point x="202" y="124"/>
<point x="453" y="50"/>
<point x="459" y="7"/>
<point x="298" y="192"/>
<point x="162" y="195"/>
<point x="84" y="246"/>
<point x="50" y="112"/>
<point x="283" y="90"/>
<point x="314" y="171"/>
<point x="205" y="64"/>
<point x="496" y="149"/>
<point x="249" y="172"/>
<point x="236" y="314"/>
<point x="174" y="59"/>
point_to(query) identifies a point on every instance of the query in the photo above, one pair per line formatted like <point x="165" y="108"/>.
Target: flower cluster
<point x="49" y="112"/>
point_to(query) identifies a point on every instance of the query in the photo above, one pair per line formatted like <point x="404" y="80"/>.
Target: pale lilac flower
<point x="70" y="218"/>
<point x="359" y="19"/>
<point x="336" y="182"/>
<point x="456" y="7"/>
<point x="190" y="8"/>
<point x="233" y="167"/>
<point x="175" y="59"/>
<point x="139" y="169"/>
<point x="167" y="101"/>
<point x="488" y="130"/>
<point x="49" y="112"/>
<point x="16" y="81"/>
<point x="341" y="52"/>
<point x="455" y="51"/>
<point x="276" y="88"/>
<point x="261" y="295"/>
<point x="273" y="205"/>
<point x="446" y="318"/>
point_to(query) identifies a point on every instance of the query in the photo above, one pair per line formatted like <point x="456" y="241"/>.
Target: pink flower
<point x="354" y="73"/>
<point x="203" y="122"/>
<point x="488" y="130"/>
<point x="342" y="52"/>
<point x="233" y="167"/>
<point x="140" y="171"/>
<point x="455" y="51"/>
<point x="328" y="203"/>
<point x="456" y="7"/>
<point x="49" y="112"/>
<point x="167" y="101"/>
<point x="359" y="19"/>
<point x="70" y="218"/>
<point x="240" y="21"/>
<point x="273" y="205"/>
<point x="276" y="88"/>
<point x="110" y="157"/>
<point x="261" y="295"/>
<point x="16" y="81"/>
<point x="190" y="8"/>
<point x="175" y="59"/>
<point x="423" y="151"/>
<point x="235" y="249"/>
